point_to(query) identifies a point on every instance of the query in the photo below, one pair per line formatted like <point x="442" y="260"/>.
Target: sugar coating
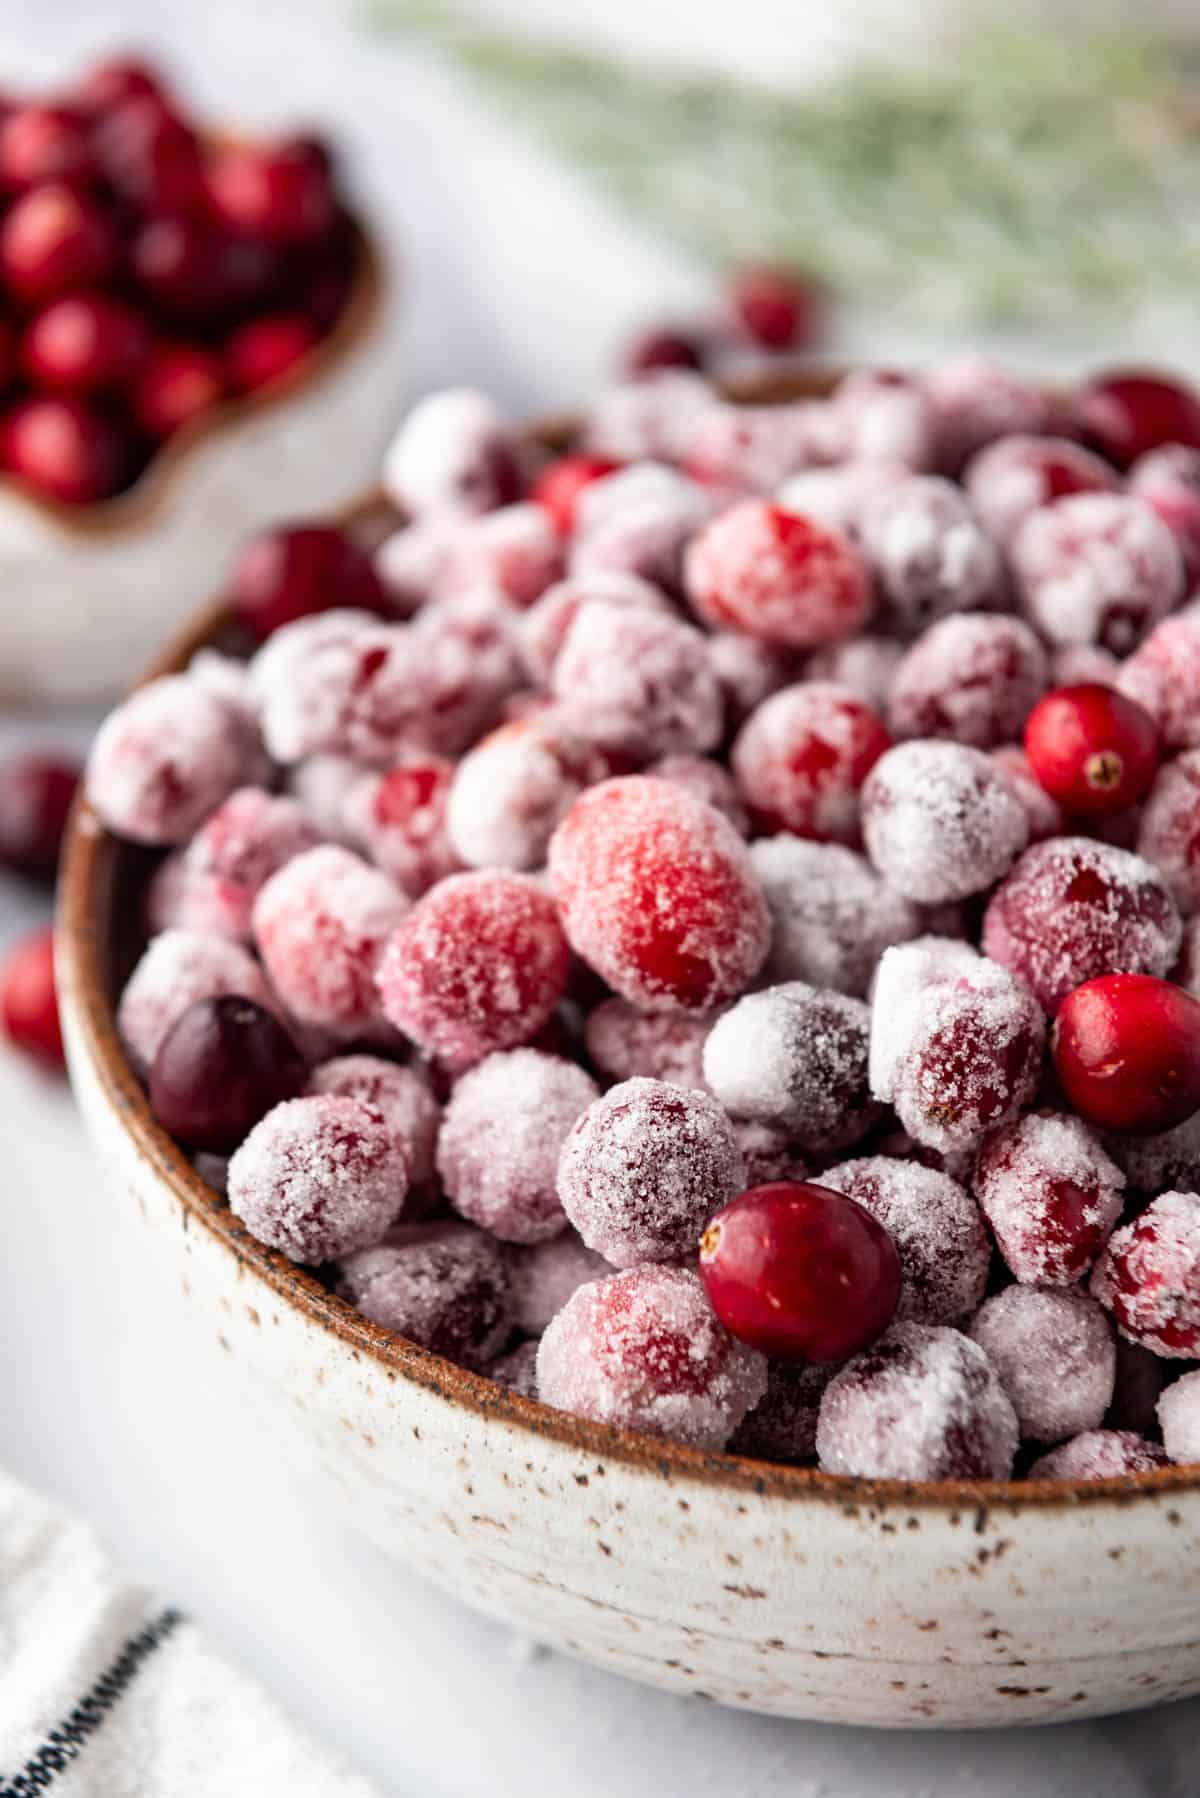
<point x="542" y="630"/>
<point x="928" y="552"/>
<point x="453" y="452"/>
<point x="181" y="897"/>
<point x="794" y="1057"/>
<point x="866" y="665"/>
<point x="319" y="1177"/>
<point x="832" y="915"/>
<point x="884" y="416"/>
<point x="235" y="852"/>
<point x="747" y="672"/>
<point x="972" y="678"/>
<point x="1179" y="1418"/>
<point x="637" y="522"/>
<point x="1099" y="1455"/>
<point x="410" y="562"/>
<point x="1166" y="1161"/>
<point x="321" y="784"/>
<point x="478" y="964"/>
<point x="1186" y="972"/>
<point x="1055" y="1355"/>
<point x="623" y="1041"/>
<point x="176" y="968"/>
<point x="1051" y="1195"/>
<point x="940" y="821"/>
<point x="924" y="1403"/>
<point x="777" y="575"/>
<point x="643" y="1350"/>
<point x="1169" y="831"/>
<point x="515" y="550"/>
<point x="1043" y="815"/>
<point x="657" y="894"/>
<point x="510" y="792"/>
<point x="937" y="1229"/>
<point x="1008" y="480"/>
<point x="767" y="1154"/>
<point x="976" y="400"/>
<point x="783" y="1424"/>
<point x="228" y="680"/>
<point x="707" y="780"/>
<point x="649" y="418"/>
<point x="1163" y="675"/>
<point x="836" y="496"/>
<point x="402" y="1097"/>
<point x="517" y="1370"/>
<point x="644" y="1169"/>
<point x="1096" y="568"/>
<point x="642" y="681"/>
<point x="1168" y="479"/>
<point x="399" y="817"/>
<point x="464" y="666"/>
<point x="502" y="1130"/>
<point x="339" y="683"/>
<point x="443" y="1285"/>
<point x="749" y="449"/>
<point x="1073" y="909"/>
<point x="802" y="757"/>
<point x="164" y="760"/>
<point x="543" y="1276"/>
<point x="320" y="924"/>
<point x="1148" y="1276"/>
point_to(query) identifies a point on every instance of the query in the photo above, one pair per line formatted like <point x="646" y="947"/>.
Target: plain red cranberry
<point x="802" y="1273"/>
<point x="1092" y="749"/>
<point x="279" y="193"/>
<point x="223" y="1064"/>
<point x="665" y="348"/>
<point x="1127" y="1052"/>
<point x="267" y="349"/>
<point x="116" y="80"/>
<point x="151" y="156"/>
<point x="558" y="487"/>
<point x="179" y="382"/>
<point x="44" y="143"/>
<point x="28" y="1002"/>
<point x="778" y="576"/>
<point x="35" y="799"/>
<point x="54" y="238"/>
<point x="85" y="343"/>
<point x="778" y="307"/>
<point x="63" y="449"/>
<point x="1127" y="413"/>
<point x="295" y="570"/>
<point x="197" y="273"/>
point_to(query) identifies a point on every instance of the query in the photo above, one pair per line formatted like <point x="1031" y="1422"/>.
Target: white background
<point x="521" y="280"/>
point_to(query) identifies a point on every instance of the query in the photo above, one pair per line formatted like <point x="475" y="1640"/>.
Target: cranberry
<point x="1092" y="749"/>
<point x="153" y="158"/>
<point x="778" y="576"/>
<point x="800" y="1272"/>
<point x="512" y="790"/>
<point x="121" y="78"/>
<point x="292" y="571"/>
<point x="801" y="759"/>
<point x="1050" y="1194"/>
<point x="401" y="819"/>
<point x="1163" y="675"/>
<point x="624" y="1042"/>
<point x="1018" y="475"/>
<point x="940" y="820"/>
<point x="267" y="349"/>
<point x="198" y="274"/>
<point x="165" y="759"/>
<point x="1096" y="568"/>
<point x="1149" y="1276"/>
<point x="972" y="677"/>
<point x="44" y="143"/>
<point x="1127" y="413"/>
<point x="640" y="682"/>
<point x="443" y="1285"/>
<point x="35" y="801"/>
<point x="28" y="1001"/>
<point x="85" y="343"/>
<point x="832" y="916"/>
<point x="881" y="415"/>
<point x="937" y="1227"/>
<point x="63" y="449"/>
<point x="53" y="238"/>
<point x="453" y="453"/>
<point x="1127" y="1052"/>
<point x="1179" y="1415"/>
<point x="179" y="383"/>
<point x="1169" y="829"/>
<point x="1169" y="480"/>
<point x="558" y="487"/>
<point x="280" y="193"/>
<point x="977" y="401"/>
<point x="929" y="553"/>
<point x="783" y="1424"/>
<point x="1099" y="1455"/>
<point x="779" y="307"/>
<point x="223" y="1064"/>
<point x="662" y="348"/>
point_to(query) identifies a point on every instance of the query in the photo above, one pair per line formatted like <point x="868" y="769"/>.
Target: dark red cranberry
<point x="295" y="570"/>
<point x="1127" y="1052"/>
<point x="280" y="193"/>
<point x="778" y="307"/>
<point x="84" y="343"/>
<point x="56" y="237"/>
<point x="1091" y="748"/>
<point x="222" y="1066"/>
<point x="325" y="294"/>
<point x="558" y="487"/>
<point x="35" y="799"/>
<point x="111" y="83"/>
<point x="152" y="157"/>
<point x="1130" y="412"/>
<point x="28" y="1001"/>
<point x="267" y="349"/>
<point x="179" y="382"/>
<point x="44" y="143"/>
<point x="8" y="353"/>
<point x="197" y="273"/>
<point x="802" y="1273"/>
<point x="64" y="449"/>
<point x="666" y="348"/>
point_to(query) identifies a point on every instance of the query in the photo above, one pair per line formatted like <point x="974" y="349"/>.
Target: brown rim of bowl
<point x="91" y="861"/>
<point x="137" y="505"/>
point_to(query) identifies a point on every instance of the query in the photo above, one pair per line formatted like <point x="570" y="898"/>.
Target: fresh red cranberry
<point x="116" y="80"/>
<point x="280" y="193"/>
<point x="179" y="382"/>
<point x="44" y="143"/>
<point x="35" y="799"/>
<point x="85" y="343"/>
<point x="558" y="488"/>
<point x="62" y="448"/>
<point x="28" y="1002"/>
<point x="1092" y="749"/>
<point x="223" y="1064"/>
<point x="802" y="1273"/>
<point x="56" y="237"/>
<point x="197" y="273"/>
<point x="1127" y="1052"/>
<point x="778" y="307"/>
<point x="152" y="157"/>
<point x="267" y="349"/>
<point x="666" y="348"/>
<point x="1127" y="413"/>
<point x="295" y="570"/>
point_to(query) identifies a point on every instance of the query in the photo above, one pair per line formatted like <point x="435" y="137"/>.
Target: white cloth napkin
<point x="105" y="1692"/>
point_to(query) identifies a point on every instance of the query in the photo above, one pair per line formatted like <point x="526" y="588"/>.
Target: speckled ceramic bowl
<point x="776" y="1588"/>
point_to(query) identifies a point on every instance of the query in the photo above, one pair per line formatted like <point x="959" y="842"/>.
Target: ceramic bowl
<point x="780" y="1589"/>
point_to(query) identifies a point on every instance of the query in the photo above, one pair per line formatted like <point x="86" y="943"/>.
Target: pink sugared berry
<point x="801" y="759"/>
<point x="748" y="672"/>
<point x="647" y="419"/>
<point x="29" y="1002"/>
<point x="1127" y="1052"/>
<point x="641" y="683"/>
<point x="1096" y="568"/>
<point x="1169" y="829"/>
<point x="453" y="452"/>
<point x="177" y="968"/>
<point x="778" y="576"/>
<point x="338" y="683"/>
<point x="1051" y="1195"/>
<point x="832" y="915"/>
<point x="1055" y="1355"/>
<point x="1169" y="480"/>
<point x="1148" y="1276"/>
<point x="1179" y="1417"/>
<point x="1042" y="814"/>
<point x="214" y="881"/>
<point x="937" y="1229"/>
<point x="971" y="678"/>
<point x="544" y="1275"/>
<point x="403" y="1098"/>
<point x="1128" y="413"/>
<point x="559" y="486"/>
<point x="514" y="551"/>
<point x="1099" y="1455"/>
<point x="543" y="629"/>
<point x="928" y="552"/>
<point x="940" y="820"/>
<point x="443" y="1285"/>
<point x="164" y="760"/>
<point x="1094" y="750"/>
<point x="1163" y="675"/>
<point x="638" y="522"/>
<point x="1018" y="475"/>
<point x="623" y="1042"/>
<point x="780" y="308"/>
<point x="882" y="415"/>
<point x="292" y="571"/>
<point x="704" y="779"/>
<point x="36" y="793"/>
<point x="401" y="820"/>
<point x="224" y="1063"/>
<point x="976" y="401"/>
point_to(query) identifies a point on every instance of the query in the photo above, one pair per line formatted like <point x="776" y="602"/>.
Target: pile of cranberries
<point x="148" y="271"/>
<point x="714" y="939"/>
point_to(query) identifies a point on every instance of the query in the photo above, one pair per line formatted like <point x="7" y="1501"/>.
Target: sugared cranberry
<point x="277" y="192"/>
<point x="402" y="1096"/>
<point x="795" y="1058"/>
<point x="267" y="349"/>
<point x="1096" y="568"/>
<point x="180" y="382"/>
<point x="802" y="757"/>
<point x="936" y="1226"/>
<point x="443" y="1285"/>
<point x="1169" y="830"/>
<point x="800" y="1272"/>
<point x="638" y="522"/>
<point x="1092" y="749"/>
<point x="648" y="417"/>
<point x="975" y="401"/>
<point x="1169" y="480"/>
<point x="972" y="678"/>
<point x="1127" y="1052"/>
<point x="453" y="452"/>
<point x="558" y="488"/>
<point x="1050" y="1194"/>
<point x="44" y="143"/>
<point x="511" y="791"/>
<point x="400" y="819"/>
<point x="544" y="1275"/>
<point x="1148" y="1276"/>
<point x="832" y="915"/>
<point x="1179" y="1416"/>
<point x="222" y="1065"/>
<point x="1099" y="1455"/>
<point x="1043" y="814"/>
<point x="929" y="553"/>
<point x="640" y="682"/>
<point x="778" y="576"/>
<point x="783" y="1424"/>
<point x="64" y="449"/>
<point x="882" y="415"/>
<point x="177" y="968"/>
<point x="1163" y="675"/>
<point x="151" y="156"/>
<point x="1018" y="475"/>
<point x="779" y="307"/>
<point x="35" y="800"/>
<point x="164" y="760"/>
<point x="28" y="1001"/>
<point x="624" y="1042"/>
<point x="1126" y="414"/>
<point x="940" y="820"/>
<point x="667" y="347"/>
<point x="516" y="1371"/>
<point x="1055" y="1355"/>
<point x="85" y="343"/>
<point x="197" y="274"/>
<point x="292" y="571"/>
<point x="53" y="238"/>
<point x="544" y="628"/>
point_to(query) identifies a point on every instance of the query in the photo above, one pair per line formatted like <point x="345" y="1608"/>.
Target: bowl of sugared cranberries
<point x="666" y="1010"/>
<point x="184" y="312"/>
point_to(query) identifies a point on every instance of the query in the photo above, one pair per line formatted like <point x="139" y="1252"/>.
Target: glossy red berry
<point x="666" y="348"/>
<point x="151" y="156"/>
<point x="35" y="799"/>
<point x="194" y="272"/>
<point x="802" y="1273"/>
<point x="44" y="143"/>
<point x="1127" y="413"/>
<point x="111" y="83"/>
<point x="1127" y="1052"/>
<point x="778" y="307"/>
<point x="267" y="349"/>
<point x="222" y="1066"/>
<point x="1092" y="749"/>
<point x="55" y="237"/>
<point x="65" y="450"/>
<point x="28" y="1002"/>
<point x="558" y="488"/>
<point x="295" y="570"/>
<point x="279" y="193"/>
<point x="85" y="343"/>
<point x="179" y="382"/>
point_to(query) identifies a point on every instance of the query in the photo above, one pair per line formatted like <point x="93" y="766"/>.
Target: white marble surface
<point x="520" y="279"/>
